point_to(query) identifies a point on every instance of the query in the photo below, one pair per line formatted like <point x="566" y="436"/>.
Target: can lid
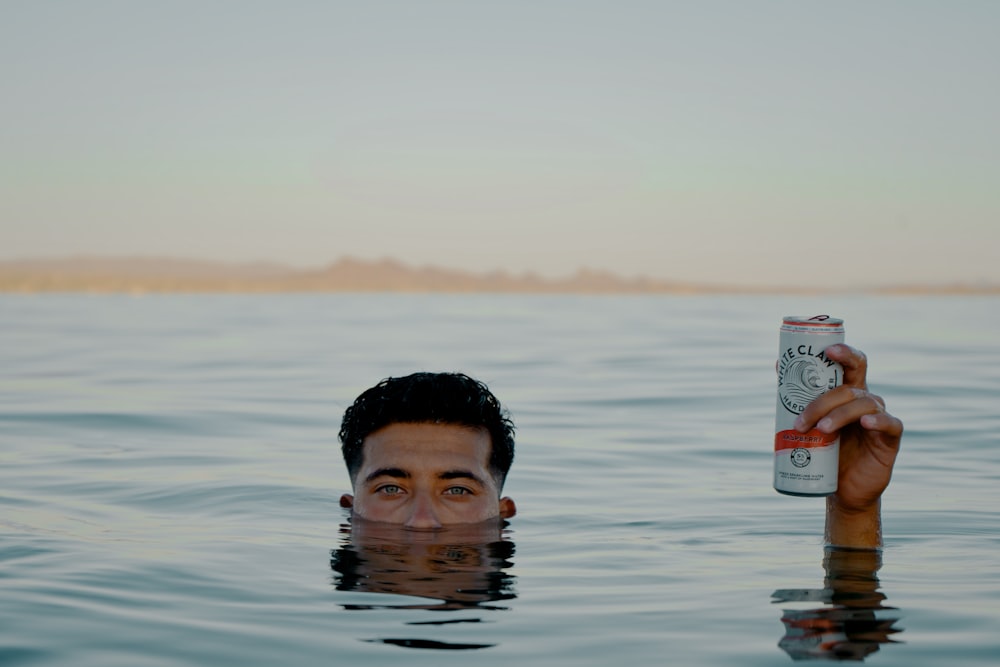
<point x="815" y="320"/>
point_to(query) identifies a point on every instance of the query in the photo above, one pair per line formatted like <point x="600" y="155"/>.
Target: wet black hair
<point x="434" y="398"/>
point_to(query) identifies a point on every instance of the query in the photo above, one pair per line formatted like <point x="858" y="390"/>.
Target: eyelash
<point x="395" y="489"/>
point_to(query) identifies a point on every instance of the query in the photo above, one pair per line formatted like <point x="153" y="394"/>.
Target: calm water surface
<point x="169" y="476"/>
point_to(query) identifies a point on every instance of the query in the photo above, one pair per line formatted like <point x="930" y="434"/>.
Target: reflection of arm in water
<point x="853" y="624"/>
<point x="869" y="442"/>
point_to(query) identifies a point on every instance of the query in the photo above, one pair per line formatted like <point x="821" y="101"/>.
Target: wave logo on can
<point x="803" y="375"/>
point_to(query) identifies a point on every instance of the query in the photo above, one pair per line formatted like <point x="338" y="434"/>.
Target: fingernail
<point x="799" y="424"/>
<point x="825" y="424"/>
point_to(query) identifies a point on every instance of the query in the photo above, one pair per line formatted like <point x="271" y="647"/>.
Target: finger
<point x="882" y="422"/>
<point x="854" y="361"/>
<point x="823" y="405"/>
<point x="849" y="413"/>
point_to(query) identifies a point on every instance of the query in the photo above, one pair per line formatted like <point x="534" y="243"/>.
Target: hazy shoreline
<point x="139" y="275"/>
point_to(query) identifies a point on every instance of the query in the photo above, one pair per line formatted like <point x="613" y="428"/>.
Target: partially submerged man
<point x="432" y="450"/>
<point x="428" y="451"/>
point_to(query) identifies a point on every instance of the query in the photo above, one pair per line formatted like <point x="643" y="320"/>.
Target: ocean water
<point x="169" y="478"/>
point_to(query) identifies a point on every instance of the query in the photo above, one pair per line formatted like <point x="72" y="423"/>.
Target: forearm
<point x="855" y="529"/>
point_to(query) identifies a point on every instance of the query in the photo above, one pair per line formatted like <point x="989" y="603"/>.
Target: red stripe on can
<point x="795" y="440"/>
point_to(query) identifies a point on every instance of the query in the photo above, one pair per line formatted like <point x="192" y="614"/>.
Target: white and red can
<point x="806" y="464"/>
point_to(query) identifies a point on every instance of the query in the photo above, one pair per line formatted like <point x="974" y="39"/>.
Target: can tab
<point x="819" y="318"/>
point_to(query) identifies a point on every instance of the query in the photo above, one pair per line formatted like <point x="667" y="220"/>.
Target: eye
<point x="457" y="491"/>
<point x="389" y="490"/>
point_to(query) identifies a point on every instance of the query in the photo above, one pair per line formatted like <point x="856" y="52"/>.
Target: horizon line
<point x="154" y="273"/>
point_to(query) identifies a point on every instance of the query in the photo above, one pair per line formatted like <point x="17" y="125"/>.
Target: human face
<point x="426" y="477"/>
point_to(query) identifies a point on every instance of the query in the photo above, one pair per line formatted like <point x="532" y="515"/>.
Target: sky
<point x="847" y="143"/>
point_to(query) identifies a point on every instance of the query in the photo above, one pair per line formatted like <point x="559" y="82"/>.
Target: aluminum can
<point x="805" y="464"/>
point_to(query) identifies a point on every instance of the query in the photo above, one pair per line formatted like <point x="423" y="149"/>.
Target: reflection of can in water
<point x="805" y="464"/>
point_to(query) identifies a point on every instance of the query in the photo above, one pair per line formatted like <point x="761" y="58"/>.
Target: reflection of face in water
<point x="460" y="567"/>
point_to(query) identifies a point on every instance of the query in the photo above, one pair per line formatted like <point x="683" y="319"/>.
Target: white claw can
<point x="805" y="464"/>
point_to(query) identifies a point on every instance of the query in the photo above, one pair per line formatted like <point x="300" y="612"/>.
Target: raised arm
<point x="869" y="442"/>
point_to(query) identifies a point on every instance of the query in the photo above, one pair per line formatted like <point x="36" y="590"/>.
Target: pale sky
<point x="848" y="142"/>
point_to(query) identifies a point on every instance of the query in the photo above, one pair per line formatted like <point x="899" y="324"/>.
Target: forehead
<point x="427" y="445"/>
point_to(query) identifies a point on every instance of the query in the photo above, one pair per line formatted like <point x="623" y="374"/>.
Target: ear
<point x="507" y="508"/>
<point x="347" y="500"/>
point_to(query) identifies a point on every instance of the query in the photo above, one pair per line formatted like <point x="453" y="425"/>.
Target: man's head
<point x="428" y="450"/>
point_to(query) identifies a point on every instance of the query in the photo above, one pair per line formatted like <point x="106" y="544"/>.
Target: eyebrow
<point x="399" y="473"/>
<point x="461" y="474"/>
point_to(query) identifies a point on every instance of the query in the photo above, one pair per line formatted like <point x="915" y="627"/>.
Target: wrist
<point x="848" y="510"/>
<point x="858" y="527"/>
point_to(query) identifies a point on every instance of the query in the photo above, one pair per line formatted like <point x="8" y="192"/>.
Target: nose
<point x="422" y="515"/>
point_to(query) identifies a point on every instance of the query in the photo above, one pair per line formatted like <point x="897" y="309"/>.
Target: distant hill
<point x="137" y="275"/>
<point x="159" y="274"/>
